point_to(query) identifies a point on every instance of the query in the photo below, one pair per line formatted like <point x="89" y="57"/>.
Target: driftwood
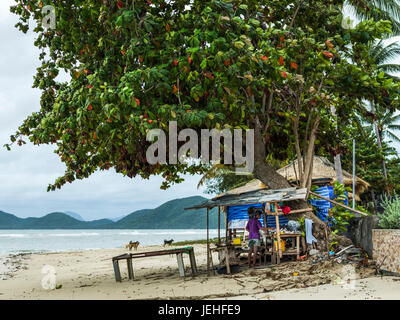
<point x="341" y="251"/>
<point x="338" y="204"/>
<point x="301" y="210"/>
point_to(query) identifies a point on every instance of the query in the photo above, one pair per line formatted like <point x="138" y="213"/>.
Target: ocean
<point x="31" y="241"/>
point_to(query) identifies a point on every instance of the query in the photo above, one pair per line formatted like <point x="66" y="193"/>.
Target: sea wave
<point x="14" y="235"/>
<point x="133" y="233"/>
<point x="80" y="234"/>
<point x="183" y="232"/>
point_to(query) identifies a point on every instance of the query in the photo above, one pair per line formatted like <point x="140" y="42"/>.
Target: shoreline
<point x="10" y="264"/>
<point x="89" y="274"/>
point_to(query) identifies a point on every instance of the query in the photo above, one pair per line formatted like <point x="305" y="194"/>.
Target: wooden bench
<point x="179" y="255"/>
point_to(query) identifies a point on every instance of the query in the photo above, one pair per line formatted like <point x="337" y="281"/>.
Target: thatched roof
<point x="323" y="169"/>
<point x="253" y="185"/>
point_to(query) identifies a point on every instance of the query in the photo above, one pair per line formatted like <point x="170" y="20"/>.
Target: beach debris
<point x="343" y="250"/>
<point x="293" y="225"/>
<point x="301" y="258"/>
<point x="313" y="252"/>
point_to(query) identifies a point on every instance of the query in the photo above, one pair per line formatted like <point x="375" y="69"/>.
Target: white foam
<point x="72" y="234"/>
<point x="133" y="233"/>
<point x="14" y="235"/>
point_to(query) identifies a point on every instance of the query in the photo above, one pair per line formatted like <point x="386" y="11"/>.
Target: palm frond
<point x="391" y="7"/>
<point x="394" y="127"/>
<point x="387" y="53"/>
<point x="392" y="136"/>
<point x="378" y="10"/>
<point x="211" y="173"/>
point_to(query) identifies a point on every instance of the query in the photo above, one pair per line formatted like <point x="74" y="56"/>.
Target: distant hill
<point x="74" y="215"/>
<point x="170" y="215"/>
<point x="118" y="218"/>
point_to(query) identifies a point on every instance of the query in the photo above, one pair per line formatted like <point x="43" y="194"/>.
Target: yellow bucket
<point x="237" y="241"/>
<point x="283" y="244"/>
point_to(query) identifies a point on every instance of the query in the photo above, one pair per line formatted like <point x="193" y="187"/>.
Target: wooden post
<point x="179" y="257"/>
<point x="303" y="244"/>
<point x="116" y="271"/>
<point x="326" y="237"/>
<point x="219" y="225"/>
<point x="228" y="266"/>
<point x="226" y="225"/>
<point x="208" y="247"/>
<point x="297" y="246"/>
<point x="278" y="233"/>
<point x="192" y="262"/>
<point x="130" y="268"/>
<point x="338" y="204"/>
<point x="265" y="215"/>
<point x="274" y="260"/>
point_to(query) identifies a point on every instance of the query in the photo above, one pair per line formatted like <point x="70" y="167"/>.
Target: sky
<point x="26" y="171"/>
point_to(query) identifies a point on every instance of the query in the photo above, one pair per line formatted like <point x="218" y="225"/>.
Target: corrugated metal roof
<point x="257" y="196"/>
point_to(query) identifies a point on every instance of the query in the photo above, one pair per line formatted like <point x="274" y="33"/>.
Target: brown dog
<point x="131" y="245"/>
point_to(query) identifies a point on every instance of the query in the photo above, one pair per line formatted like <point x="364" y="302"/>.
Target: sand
<point x="89" y="275"/>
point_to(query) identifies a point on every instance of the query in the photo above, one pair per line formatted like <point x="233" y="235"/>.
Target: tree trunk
<point x="337" y="161"/>
<point x="262" y="170"/>
<point x="378" y="139"/>
<point x="338" y="169"/>
<point x="267" y="175"/>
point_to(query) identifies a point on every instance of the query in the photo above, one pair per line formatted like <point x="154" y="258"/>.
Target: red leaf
<point x="328" y="54"/>
<point x="120" y="4"/>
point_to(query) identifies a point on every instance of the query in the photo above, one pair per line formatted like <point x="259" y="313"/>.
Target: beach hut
<point x="324" y="173"/>
<point x="243" y="198"/>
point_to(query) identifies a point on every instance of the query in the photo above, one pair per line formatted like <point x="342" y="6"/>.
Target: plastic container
<point x="237" y="241"/>
<point x="283" y="245"/>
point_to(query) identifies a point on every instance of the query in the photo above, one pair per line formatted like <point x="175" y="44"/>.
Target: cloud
<point x="26" y="171"/>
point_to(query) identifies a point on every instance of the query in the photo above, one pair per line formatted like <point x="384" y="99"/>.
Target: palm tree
<point x="387" y="124"/>
<point x="383" y="55"/>
<point x="376" y="9"/>
<point x="381" y="119"/>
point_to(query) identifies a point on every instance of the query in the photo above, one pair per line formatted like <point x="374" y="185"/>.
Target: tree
<point x="272" y="66"/>
<point x="369" y="158"/>
<point x="381" y="114"/>
<point x="377" y="10"/>
<point x="387" y="125"/>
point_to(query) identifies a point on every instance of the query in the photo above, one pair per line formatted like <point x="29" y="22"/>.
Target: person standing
<point x="253" y="226"/>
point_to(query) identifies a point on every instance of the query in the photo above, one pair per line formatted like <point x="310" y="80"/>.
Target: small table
<point x="294" y="250"/>
<point x="179" y="252"/>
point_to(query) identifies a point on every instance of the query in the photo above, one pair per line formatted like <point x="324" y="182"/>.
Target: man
<point x="253" y="226"/>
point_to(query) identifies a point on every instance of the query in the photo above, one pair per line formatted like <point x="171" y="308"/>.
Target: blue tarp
<point x="323" y="206"/>
<point x="239" y="213"/>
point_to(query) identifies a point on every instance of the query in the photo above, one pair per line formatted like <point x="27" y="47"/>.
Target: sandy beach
<point x="89" y="275"/>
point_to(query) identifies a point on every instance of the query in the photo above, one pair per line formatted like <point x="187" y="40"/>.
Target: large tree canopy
<point x="276" y="67"/>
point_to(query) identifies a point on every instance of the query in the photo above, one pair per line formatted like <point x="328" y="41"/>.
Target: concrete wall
<point x="386" y="249"/>
<point x="360" y="232"/>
